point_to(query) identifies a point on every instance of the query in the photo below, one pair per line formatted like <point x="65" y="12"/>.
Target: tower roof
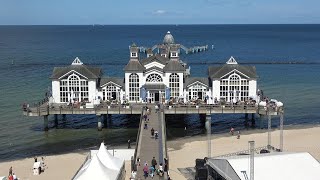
<point x="168" y="38"/>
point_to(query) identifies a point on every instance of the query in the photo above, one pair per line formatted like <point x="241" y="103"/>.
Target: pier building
<point x="158" y="77"/>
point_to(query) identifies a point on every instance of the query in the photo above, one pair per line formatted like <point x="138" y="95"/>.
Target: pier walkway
<point x="149" y="147"/>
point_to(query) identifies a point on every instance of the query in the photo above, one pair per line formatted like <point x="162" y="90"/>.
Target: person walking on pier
<point x="145" y="125"/>
<point x="154" y="162"/>
<point x="152" y="132"/>
<point x="145" y="117"/>
<point x="145" y="171"/>
<point x="156" y="134"/>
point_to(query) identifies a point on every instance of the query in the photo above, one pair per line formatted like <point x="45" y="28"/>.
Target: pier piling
<point x="261" y="121"/>
<point x="100" y="122"/>
<point x="56" y="120"/>
<point x="269" y="130"/>
<point x="45" y="123"/>
<point x="208" y="128"/>
<point x="253" y="121"/>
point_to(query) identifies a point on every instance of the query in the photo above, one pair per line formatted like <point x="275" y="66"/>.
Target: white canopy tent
<point x="96" y="170"/>
<point x="108" y="160"/>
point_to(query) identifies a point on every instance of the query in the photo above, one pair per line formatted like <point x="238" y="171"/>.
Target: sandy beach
<point x="182" y="153"/>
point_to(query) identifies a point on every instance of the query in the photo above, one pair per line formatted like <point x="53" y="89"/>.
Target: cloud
<point x="159" y="12"/>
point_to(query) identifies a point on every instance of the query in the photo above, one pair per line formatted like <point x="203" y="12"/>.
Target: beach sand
<point x="182" y="153"/>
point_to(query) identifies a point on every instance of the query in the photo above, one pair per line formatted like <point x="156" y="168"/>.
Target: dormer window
<point x="164" y="55"/>
<point x="174" y="54"/>
<point x="134" y="54"/>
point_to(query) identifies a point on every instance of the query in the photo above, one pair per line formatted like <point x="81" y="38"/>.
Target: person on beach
<point x="10" y="177"/>
<point x="154" y="162"/>
<point x="232" y="131"/>
<point x="152" y="132"/>
<point x="238" y="136"/>
<point x="10" y="171"/>
<point x="14" y="177"/>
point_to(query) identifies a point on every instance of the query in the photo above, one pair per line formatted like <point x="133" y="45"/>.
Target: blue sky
<point x="73" y="12"/>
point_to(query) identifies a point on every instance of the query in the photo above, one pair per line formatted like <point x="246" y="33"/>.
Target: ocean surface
<point x="286" y="58"/>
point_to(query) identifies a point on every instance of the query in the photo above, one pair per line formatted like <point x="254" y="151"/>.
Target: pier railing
<point x="134" y="160"/>
<point x="46" y="109"/>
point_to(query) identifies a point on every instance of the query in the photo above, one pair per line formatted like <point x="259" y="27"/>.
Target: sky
<point x="84" y="12"/>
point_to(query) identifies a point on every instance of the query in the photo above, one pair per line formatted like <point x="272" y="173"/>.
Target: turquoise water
<point x="35" y="50"/>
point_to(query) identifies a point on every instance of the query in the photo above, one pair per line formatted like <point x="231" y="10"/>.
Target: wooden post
<point x="281" y="131"/>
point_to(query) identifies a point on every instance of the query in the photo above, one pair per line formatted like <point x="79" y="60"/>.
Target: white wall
<point x="216" y="89"/>
<point x="252" y="88"/>
<point x="56" y="91"/>
<point x="92" y="90"/>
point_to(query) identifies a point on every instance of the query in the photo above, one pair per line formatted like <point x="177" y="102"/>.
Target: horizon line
<point x="183" y="24"/>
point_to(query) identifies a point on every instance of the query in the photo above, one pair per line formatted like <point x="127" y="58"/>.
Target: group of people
<point x="232" y="133"/>
<point x="153" y="169"/>
<point x="12" y="176"/>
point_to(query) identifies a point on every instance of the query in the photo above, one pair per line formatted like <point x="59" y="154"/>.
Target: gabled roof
<point x="87" y="71"/>
<point x="190" y="80"/>
<point x="134" y="65"/>
<point x="174" y="66"/>
<point x="155" y="58"/>
<point x="116" y="80"/>
<point x="219" y="71"/>
<point x="154" y="68"/>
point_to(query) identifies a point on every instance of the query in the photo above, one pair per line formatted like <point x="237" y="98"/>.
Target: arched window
<point x="134" y="92"/>
<point x="174" y="85"/>
<point x="197" y="91"/>
<point x="154" y="78"/>
<point x="110" y="93"/>
<point x="74" y="87"/>
<point x="234" y="88"/>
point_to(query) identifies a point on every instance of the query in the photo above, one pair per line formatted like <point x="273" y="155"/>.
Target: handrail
<point x="137" y="140"/>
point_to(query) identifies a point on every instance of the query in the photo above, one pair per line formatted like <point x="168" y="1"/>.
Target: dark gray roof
<point x="223" y="167"/>
<point x="87" y="71"/>
<point x="219" y="71"/>
<point x="116" y="80"/>
<point x="191" y="80"/>
<point x="154" y="86"/>
<point x="134" y="65"/>
<point x="173" y="65"/>
<point x="149" y="51"/>
<point x="155" y="58"/>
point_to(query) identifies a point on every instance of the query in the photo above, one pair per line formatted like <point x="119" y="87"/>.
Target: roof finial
<point x="76" y="61"/>
<point x="232" y="61"/>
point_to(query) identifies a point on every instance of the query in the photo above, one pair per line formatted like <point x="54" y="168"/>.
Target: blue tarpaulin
<point x="168" y="91"/>
<point x="143" y="93"/>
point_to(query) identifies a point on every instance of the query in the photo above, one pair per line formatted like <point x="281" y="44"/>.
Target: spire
<point x="232" y="61"/>
<point x="76" y="61"/>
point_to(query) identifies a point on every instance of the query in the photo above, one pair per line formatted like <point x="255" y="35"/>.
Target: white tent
<point x="108" y="160"/>
<point x="96" y="170"/>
